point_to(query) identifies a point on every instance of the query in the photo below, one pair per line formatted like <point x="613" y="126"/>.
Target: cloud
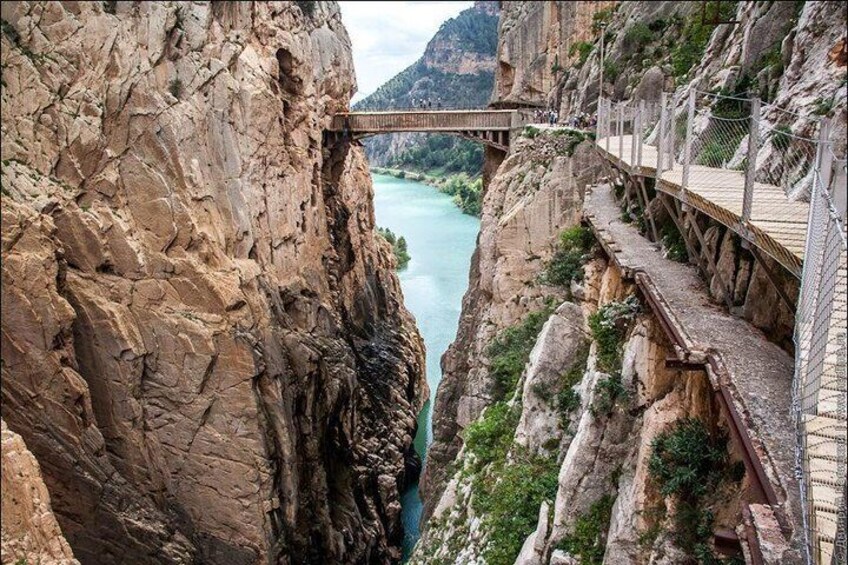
<point x="387" y="37"/>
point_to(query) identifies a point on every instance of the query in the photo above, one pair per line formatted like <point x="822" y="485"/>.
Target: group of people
<point x="578" y="121"/>
<point x="582" y="121"/>
<point x="550" y="117"/>
<point x="426" y="103"/>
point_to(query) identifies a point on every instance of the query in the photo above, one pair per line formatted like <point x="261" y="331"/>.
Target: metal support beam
<point x="772" y="277"/>
<point x="641" y="183"/>
<point x="677" y="218"/>
<point x="728" y="290"/>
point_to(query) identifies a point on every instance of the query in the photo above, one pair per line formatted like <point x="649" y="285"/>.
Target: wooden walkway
<point x="777" y="225"/>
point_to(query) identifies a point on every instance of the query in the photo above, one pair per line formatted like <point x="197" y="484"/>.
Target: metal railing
<point x="819" y="399"/>
<point x="755" y="162"/>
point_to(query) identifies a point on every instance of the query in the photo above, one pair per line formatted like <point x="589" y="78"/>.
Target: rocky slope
<point x="204" y="344"/>
<point x="457" y="68"/>
<point x="547" y="54"/>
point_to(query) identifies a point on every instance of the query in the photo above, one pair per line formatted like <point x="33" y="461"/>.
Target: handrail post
<point x="661" y="135"/>
<point x="751" y="166"/>
<point x="632" y="136"/>
<point x="641" y="138"/>
<point x="672" y="126"/>
<point x="620" y="131"/>
<point x="599" y="126"/>
<point x="687" y="149"/>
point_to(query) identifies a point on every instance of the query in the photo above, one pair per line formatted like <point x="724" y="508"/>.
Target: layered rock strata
<point x="204" y="344"/>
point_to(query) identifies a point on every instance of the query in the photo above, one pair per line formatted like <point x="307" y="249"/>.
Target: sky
<point x="387" y="37"/>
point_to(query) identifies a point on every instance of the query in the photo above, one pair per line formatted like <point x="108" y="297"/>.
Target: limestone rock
<point x="30" y="530"/>
<point x="204" y="346"/>
<point x="533" y="550"/>
<point x="557" y="351"/>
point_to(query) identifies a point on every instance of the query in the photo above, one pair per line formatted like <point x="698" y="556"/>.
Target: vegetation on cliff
<point x="510" y="350"/>
<point x="689" y="463"/>
<point x="398" y="244"/>
<point x="572" y="251"/>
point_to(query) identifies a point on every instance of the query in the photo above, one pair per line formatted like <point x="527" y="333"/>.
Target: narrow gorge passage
<point x="441" y="240"/>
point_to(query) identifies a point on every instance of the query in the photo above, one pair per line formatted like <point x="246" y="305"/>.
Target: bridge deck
<point x="425" y="120"/>
<point x="778" y="226"/>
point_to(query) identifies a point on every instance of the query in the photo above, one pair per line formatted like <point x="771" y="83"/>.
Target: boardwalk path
<point x="759" y="372"/>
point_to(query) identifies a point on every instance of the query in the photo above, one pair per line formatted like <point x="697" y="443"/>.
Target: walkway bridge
<point x="490" y="127"/>
<point x="736" y="161"/>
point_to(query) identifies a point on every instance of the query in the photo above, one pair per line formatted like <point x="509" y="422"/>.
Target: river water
<point x="440" y="240"/>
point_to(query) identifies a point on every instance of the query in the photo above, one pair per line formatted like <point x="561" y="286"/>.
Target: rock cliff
<point x="548" y="55"/>
<point x="30" y="530"/>
<point x="204" y="344"/>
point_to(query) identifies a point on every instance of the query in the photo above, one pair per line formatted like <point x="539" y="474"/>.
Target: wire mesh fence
<point x="760" y="163"/>
<point x="820" y="368"/>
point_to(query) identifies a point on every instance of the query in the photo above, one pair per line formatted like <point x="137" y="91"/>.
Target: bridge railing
<point x="424" y="120"/>
<point x="762" y="155"/>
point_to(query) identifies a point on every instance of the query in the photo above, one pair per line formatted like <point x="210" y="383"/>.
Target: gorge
<point x="209" y="354"/>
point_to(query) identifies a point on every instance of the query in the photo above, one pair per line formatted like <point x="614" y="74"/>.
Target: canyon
<point x="207" y="357"/>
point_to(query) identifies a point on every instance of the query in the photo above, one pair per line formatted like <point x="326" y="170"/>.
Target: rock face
<point x="536" y="193"/>
<point x="204" y="344"/>
<point x="30" y="530"/>
<point x="535" y="42"/>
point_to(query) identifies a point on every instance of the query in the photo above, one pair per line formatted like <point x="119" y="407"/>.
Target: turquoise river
<point x="441" y="240"/>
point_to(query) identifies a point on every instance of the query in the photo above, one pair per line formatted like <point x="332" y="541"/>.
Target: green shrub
<point x="398" y="246"/>
<point x="573" y="139"/>
<point x="510" y="350"/>
<point x="584" y="48"/>
<point x="781" y="138"/>
<point x="466" y="193"/>
<point x="601" y="19"/>
<point x="823" y="106"/>
<point x="176" y="88"/>
<point x="694" y="37"/>
<point x="588" y="538"/>
<point x="609" y="326"/>
<point x="567" y="263"/>
<point x="674" y="243"/>
<point x="607" y="392"/>
<point x="686" y="460"/>
<point x="509" y="502"/>
<point x="637" y="36"/>
<point x="611" y="70"/>
<point x="720" y="146"/>
<point x="568" y="399"/>
<point x="531" y="132"/>
<point x="490" y="436"/>
<point x="689" y="463"/>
